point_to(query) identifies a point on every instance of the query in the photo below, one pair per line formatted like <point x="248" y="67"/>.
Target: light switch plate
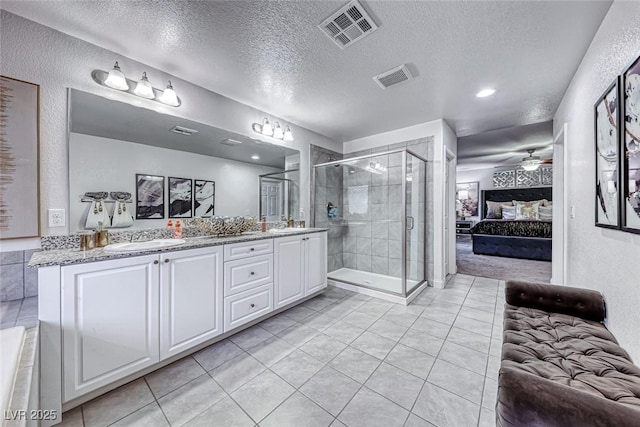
<point x="57" y="218"/>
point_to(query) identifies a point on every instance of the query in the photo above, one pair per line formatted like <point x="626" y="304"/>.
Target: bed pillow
<point x="494" y="210"/>
<point x="547" y="202"/>
<point x="545" y="213"/>
<point x="508" y="212"/>
<point x="529" y="203"/>
<point x="528" y="212"/>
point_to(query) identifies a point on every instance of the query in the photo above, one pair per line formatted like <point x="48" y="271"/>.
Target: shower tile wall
<point x="328" y="188"/>
<point x="373" y="208"/>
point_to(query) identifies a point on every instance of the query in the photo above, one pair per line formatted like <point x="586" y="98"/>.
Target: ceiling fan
<point x="531" y="162"/>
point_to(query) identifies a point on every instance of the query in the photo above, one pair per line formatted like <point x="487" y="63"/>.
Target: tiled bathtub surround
<point x="16" y="280"/>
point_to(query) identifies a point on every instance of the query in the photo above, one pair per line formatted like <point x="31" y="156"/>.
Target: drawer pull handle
<point x="166" y="260"/>
<point x="252" y="273"/>
<point x="253" y="305"/>
<point x="252" y="249"/>
<point x="156" y="262"/>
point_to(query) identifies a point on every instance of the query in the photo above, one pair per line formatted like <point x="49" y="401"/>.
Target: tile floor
<point x="21" y="312"/>
<point x="340" y="359"/>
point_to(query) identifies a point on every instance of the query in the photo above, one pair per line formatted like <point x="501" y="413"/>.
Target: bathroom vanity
<point x="110" y="317"/>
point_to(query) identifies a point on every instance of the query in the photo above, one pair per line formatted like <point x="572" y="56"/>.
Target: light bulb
<point x="288" y="136"/>
<point x="169" y="96"/>
<point x="266" y="128"/>
<point x="277" y="131"/>
<point x="144" y="88"/>
<point x="116" y="79"/>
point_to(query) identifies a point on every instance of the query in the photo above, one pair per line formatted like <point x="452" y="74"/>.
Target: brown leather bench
<point x="560" y="365"/>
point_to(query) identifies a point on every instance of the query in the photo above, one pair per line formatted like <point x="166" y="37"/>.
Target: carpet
<point x="496" y="267"/>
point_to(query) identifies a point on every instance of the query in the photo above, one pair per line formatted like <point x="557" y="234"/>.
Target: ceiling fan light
<point x="144" y="88"/>
<point x="530" y="164"/>
<point x="116" y="79"/>
<point x="169" y="96"/>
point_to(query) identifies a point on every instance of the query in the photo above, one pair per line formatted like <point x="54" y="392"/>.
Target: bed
<point x="522" y="238"/>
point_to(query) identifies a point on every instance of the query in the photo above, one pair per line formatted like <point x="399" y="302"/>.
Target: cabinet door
<point x="190" y="298"/>
<point x="109" y="321"/>
<point x="316" y="262"/>
<point x="289" y="271"/>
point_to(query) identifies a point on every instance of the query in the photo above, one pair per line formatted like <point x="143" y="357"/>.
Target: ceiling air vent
<point x="183" y="131"/>
<point x="348" y="25"/>
<point x="230" y="142"/>
<point x="393" y="77"/>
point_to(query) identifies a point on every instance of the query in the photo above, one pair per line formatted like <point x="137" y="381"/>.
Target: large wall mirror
<point x="168" y="169"/>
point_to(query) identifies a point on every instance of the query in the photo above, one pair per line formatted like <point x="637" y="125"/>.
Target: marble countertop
<point x="77" y="256"/>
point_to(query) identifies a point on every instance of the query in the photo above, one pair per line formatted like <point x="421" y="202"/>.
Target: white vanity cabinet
<point x="190" y="298"/>
<point x="248" y="282"/>
<point x="110" y="313"/>
<point x="301" y="266"/>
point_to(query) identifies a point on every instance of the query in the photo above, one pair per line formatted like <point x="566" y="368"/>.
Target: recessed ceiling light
<point x="255" y="157"/>
<point x="485" y="92"/>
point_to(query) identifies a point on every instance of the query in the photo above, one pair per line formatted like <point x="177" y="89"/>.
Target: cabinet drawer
<point x="247" y="249"/>
<point x="249" y="273"/>
<point x="246" y="306"/>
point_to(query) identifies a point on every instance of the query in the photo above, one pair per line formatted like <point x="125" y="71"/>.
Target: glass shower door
<point x="415" y="211"/>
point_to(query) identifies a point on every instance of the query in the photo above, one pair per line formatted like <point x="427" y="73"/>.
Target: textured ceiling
<point x="272" y="56"/>
<point x="505" y="147"/>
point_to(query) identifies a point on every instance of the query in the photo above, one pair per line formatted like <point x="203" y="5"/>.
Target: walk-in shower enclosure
<point x="375" y="209"/>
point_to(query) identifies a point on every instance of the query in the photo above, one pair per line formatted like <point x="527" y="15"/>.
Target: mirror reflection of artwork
<point x="631" y="158"/>
<point x="466" y="199"/>
<point x="149" y="197"/>
<point x="204" y="198"/>
<point x="607" y="170"/>
<point x="180" y="197"/>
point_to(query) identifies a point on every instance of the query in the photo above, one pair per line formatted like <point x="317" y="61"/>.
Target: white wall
<point x="601" y="259"/>
<point x="56" y="61"/>
<point x="443" y="138"/>
<point x="97" y="164"/>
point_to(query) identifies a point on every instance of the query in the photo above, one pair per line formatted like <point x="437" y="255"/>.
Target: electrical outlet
<point x="572" y="212"/>
<point x="57" y="218"/>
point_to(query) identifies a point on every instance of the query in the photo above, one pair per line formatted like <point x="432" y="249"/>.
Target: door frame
<point x="449" y="200"/>
<point x="560" y="207"/>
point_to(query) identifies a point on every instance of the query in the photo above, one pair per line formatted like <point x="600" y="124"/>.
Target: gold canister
<point x="87" y="241"/>
<point x="303" y="224"/>
<point x="102" y="238"/>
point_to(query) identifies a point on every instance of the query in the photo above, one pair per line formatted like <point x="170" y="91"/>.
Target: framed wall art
<point x="149" y="197"/>
<point x="607" y="143"/>
<point x="19" y="146"/>
<point x="180" y="197"/>
<point x="204" y="198"/>
<point x="467" y="199"/>
<point x="631" y="147"/>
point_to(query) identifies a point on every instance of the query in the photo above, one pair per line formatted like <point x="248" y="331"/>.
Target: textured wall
<point x="56" y="61"/>
<point x="601" y="259"/>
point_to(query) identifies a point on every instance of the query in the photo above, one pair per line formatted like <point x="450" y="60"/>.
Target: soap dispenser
<point x="302" y="221"/>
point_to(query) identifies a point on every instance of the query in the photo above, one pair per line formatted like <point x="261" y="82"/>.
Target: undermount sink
<point x="285" y="230"/>
<point x="143" y="246"/>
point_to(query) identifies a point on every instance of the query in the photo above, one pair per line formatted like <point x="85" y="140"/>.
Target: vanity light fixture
<point x="116" y="79"/>
<point x="255" y="157"/>
<point x="144" y="88"/>
<point x="266" y="127"/>
<point x="169" y="96"/>
<point x="276" y="131"/>
<point x="288" y="136"/>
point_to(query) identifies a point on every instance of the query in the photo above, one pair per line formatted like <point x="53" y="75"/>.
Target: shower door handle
<point x="410" y="222"/>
